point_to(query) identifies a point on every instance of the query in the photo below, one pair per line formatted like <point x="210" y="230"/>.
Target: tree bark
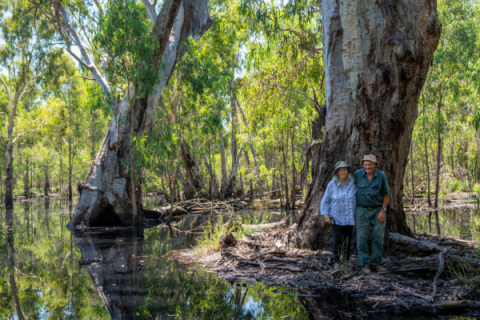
<point x="439" y="159"/>
<point x="285" y="180"/>
<point x="9" y="163"/>
<point x="429" y="199"/>
<point x="376" y="55"/>
<point x="412" y="201"/>
<point x="233" y="144"/>
<point x="294" y="170"/>
<point x="214" y="193"/>
<point x="223" y="188"/>
<point x="70" y="168"/>
<point x="106" y="196"/>
<point x="192" y="171"/>
<point x="26" y="182"/>
<point x="46" y="187"/>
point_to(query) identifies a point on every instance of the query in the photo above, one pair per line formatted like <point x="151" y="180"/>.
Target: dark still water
<point x="48" y="272"/>
<point x="116" y="273"/>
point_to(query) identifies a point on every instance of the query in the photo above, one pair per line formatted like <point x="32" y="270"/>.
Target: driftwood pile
<point x="201" y="206"/>
<point x="423" y="272"/>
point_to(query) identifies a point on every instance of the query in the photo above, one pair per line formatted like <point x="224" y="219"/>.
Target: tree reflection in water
<point x="11" y="263"/>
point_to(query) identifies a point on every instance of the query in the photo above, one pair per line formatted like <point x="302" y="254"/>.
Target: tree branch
<point x="296" y="91"/>
<point x="152" y="13"/>
<point x="99" y="7"/>
<point x="6" y="88"/>
<point x="88" y="61"/>
<point x="164" y="23"/>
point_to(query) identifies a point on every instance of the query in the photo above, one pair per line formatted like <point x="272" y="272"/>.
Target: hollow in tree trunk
<point x="376" y="56"/>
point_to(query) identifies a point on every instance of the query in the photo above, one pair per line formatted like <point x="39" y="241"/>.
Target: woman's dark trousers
<point x="342" y="237"/>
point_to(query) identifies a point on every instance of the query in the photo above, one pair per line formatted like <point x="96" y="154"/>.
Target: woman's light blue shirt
<point x="339" y="202"/>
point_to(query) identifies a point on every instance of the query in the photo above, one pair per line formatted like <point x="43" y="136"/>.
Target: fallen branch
<point x="272" y="225"/>
<point x="459" y="304"/>
<point x="441" y="266"/>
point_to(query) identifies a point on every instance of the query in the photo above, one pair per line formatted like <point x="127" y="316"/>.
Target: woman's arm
<point x="325" y="204"/>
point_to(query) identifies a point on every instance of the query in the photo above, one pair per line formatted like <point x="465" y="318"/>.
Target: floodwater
<point x="49" y="272"/>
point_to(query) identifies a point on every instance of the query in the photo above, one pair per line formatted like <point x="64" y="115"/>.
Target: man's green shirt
<point x="370" y="193"/>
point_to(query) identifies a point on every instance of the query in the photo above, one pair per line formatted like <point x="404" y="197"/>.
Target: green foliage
<point x="125" y="36"/>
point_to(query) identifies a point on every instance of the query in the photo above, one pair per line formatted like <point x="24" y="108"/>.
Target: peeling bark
<point x="377" y="54"/>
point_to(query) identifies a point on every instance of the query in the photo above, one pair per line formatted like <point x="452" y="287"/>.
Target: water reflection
<point x="11" y="263"/>
<point x="463" y="222"/>
<point x="116" y="273"/>
<point x="49" y="272"/>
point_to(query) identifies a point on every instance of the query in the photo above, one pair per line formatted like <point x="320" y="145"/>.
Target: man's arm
<point x="382" y="213"/>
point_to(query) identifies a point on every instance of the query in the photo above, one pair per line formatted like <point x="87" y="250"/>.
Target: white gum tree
<point x="110" y="194"/>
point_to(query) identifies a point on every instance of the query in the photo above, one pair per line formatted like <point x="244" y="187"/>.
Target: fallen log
<point x="412" y="245"/>
<point x="465" y="304"/>
<point x="281" y="223"/>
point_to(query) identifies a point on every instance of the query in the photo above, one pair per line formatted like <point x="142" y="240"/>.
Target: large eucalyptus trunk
<point x="107" y="196"/>
<point x="376" y="56"/>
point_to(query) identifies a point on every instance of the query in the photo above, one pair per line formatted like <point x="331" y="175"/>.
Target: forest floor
<point x="447" y="280"/>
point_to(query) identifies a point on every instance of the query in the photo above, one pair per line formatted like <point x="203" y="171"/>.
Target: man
<point x="372" y="201"/>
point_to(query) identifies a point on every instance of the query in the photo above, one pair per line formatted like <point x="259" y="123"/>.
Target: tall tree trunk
<point x="26" y="182"/>
<point x="412" y="201"/>
<point x="294" y="170"/>
<point x="429" y="199"/>
<point x="232" y="181"/>
<point x="233" y="143"/>
<point x="274" y="178"/>
<point x="106" y="196"/>
<point x="223" y="188"/>
<point x="247" y="161"/>
<point x="285" y="180"/>
<point x="214" y="193"/>
<point x="192" y="172"/>
<point x="252" y="149"/>
<point x="377" y="54"/>
<point x="9" y="163"/>
<point x="70" y="168"/>
<point x="46" y="187"/>
<point x="439" y="159"/>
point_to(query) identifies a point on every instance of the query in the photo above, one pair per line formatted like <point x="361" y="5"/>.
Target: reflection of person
<point x="338" y="209"/>
<point x="372" y="201"/>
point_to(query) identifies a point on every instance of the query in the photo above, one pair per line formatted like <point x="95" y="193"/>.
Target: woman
<point x="338" y="209"/>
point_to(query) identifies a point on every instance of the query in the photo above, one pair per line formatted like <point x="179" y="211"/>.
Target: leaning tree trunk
<point x="376" y="56"/>
<point x="106" y="195"/>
